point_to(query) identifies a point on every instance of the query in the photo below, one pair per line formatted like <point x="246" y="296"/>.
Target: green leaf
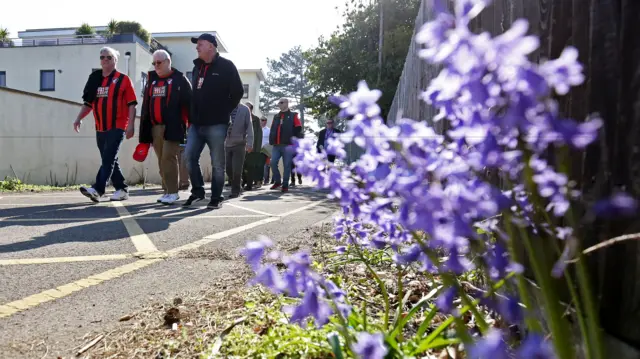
<point x="334" y="341"/>
<point x="398" y="328"/>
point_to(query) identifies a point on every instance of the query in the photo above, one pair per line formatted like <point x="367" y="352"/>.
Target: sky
<point x="251" y="29"/>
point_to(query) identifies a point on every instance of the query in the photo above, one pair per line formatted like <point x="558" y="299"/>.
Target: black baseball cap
<point x="207" y="37"/>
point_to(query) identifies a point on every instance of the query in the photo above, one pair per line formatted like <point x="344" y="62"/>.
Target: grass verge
<point x="233" y="320"/>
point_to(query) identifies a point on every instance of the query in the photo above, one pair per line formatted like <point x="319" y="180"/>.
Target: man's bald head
<point x="283" y="104"/>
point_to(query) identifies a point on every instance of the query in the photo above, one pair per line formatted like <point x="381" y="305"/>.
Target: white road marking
<point x="250" y="210"/>
<point x="136" y="216"/>
<point x="230" y="232"/>
<point x="140" y="240"/>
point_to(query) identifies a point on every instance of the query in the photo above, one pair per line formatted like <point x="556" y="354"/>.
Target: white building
<point x="56" y="62"/>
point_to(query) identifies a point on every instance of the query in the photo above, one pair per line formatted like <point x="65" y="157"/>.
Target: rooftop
<point x="69" y="33"/>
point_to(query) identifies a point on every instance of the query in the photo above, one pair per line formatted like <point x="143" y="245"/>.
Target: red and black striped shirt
<point x="113" y="96"/>
<point x="159" y="96"/>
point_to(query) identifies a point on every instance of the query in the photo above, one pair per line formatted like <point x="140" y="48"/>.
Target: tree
<point x="4" y="35"/>
<point x="352" y="53"/>
<point x="287" y="78"/>
<point x="133" y="27"/>
<point x="85" y="29"/>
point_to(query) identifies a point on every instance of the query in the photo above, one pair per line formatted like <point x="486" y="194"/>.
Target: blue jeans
<point x="286" y="153"/>
<point x="109" y="145"/>
<point x="213" y="136"/>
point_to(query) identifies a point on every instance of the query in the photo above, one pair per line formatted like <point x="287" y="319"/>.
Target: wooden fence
<point x="607" y="36"/>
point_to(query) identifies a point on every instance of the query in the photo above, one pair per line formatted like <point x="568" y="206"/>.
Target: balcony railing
<point x="76" y="40"/>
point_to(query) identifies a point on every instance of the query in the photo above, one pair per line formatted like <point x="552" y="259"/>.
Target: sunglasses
<point x="109" y="57"/>
<point x="156" y="63"/>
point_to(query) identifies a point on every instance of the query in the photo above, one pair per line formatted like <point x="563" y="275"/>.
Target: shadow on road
<point x="89" y="231"/>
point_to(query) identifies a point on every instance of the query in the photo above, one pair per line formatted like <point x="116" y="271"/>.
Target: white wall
<point x="38" y="141"/>
<point x="72" y="65"/>
<point x="251" y="78"/>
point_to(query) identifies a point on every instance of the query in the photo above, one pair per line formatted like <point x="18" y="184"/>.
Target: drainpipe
<point x="127" y="55"/>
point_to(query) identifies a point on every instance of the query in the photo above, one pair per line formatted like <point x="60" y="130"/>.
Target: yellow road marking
<point x="106" y="257"/>
<point x="250" y="210"/>
<point x="14" y="307"/>
<point x="140" y="240"/>
<point x="64" y="290"/>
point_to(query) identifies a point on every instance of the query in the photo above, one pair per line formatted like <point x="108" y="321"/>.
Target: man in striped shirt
<point x="110" y="95"/>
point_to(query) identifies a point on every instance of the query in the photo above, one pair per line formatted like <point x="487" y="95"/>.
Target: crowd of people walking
<point x="181" y="115"/>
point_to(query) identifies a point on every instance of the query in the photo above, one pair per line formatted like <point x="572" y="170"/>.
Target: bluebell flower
<point x="254" y="251"/>
<point x="619" y="204"/>
<point x="369" y="346"/>
<point x="535" y="347"/>
<point x="491" y="346"/>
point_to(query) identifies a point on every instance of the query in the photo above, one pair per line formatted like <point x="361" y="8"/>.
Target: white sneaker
<point x="159" y="200"/>
<point x="171" y="198"/>
<point x="120" y="195"/>
<point x="91" y="193"/>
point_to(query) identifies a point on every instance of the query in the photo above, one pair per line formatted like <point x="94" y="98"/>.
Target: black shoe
<point x="234" y="195"/>
<point x="293" y="184"/>
<point x="191" y="200"/>
<point x="214" y="204"/>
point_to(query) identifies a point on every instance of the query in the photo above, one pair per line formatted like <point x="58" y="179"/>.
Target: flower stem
<point x="559" y="328"/>
<point x="383" y="289"/>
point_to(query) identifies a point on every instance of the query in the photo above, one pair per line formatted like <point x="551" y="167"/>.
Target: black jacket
<point x="174" y="107"/>
<point x="218" y="94"/>
<point x="321" y="138"/>
<point x="284" y="127"/>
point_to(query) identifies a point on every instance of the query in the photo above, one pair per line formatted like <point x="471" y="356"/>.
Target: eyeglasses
<point x="156" y="63"/>
<point x="109" y="57"/>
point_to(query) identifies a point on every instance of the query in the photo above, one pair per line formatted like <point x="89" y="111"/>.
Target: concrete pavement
<point x="68" y="265"/>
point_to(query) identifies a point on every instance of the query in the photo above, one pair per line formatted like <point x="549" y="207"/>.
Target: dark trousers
<point x="109" y="145"/>
<point x="267" y="170"/>
<point x="294" y="173"/>
<point x="235" y="162"/>
<point x="253" y="168"/>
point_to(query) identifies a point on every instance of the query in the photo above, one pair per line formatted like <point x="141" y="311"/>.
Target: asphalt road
<point x="67" y="265"/>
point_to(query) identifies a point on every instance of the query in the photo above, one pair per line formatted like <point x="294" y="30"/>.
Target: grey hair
<point x="112" y="51"/>
<point x="165" y="55"/>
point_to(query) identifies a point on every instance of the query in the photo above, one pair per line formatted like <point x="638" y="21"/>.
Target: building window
<point x="3" y="79"/>
<point x="47" y="80"/>
<point x="246" y="91"/>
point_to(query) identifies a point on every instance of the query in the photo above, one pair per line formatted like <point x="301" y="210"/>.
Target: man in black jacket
<point x="285" y="126"/>
<point x="217" y="90"/>
<point x="165" y="117"/>
<point x="325" y="134"/>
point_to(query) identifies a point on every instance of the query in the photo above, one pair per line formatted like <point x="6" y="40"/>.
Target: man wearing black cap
<point x="217" y="90"/>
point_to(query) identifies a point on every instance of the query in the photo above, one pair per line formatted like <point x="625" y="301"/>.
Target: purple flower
<point x="563" y="72"/>
<point x="490" y="346"/>
<point x="445" y="300"/>
<point x="359" y="103"/>
<point x="370" y="346"/>
<point x="312" y="305"/>
<point x="619" y="204"/>
<point x="535" y="347"/>
<point x="254" y="251"/>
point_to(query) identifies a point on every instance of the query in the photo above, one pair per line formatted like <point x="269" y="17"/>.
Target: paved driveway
<point x="66" y="262"/>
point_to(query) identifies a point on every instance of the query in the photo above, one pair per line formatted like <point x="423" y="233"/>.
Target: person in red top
<point x="110" y="95"/>
<point x="165" y="118"/>
<point x="285" y="126"/>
